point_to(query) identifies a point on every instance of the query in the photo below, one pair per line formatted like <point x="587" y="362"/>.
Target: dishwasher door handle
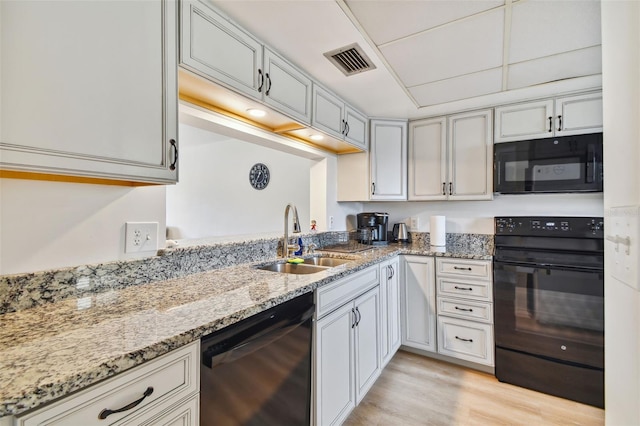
<point x="251" y="339"/>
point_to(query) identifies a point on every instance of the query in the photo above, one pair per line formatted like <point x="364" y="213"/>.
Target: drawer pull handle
<point x="463" y="309"/>
<point x="463" y="288"/>
<point x="458" y="268"/>
<point x="464" y="340"/>
<point x="106" y="412"/>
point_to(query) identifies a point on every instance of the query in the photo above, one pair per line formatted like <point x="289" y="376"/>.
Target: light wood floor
<point x="415" y="390"/>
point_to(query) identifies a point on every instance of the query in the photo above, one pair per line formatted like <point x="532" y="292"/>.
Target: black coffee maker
<point x="372" y="228"/>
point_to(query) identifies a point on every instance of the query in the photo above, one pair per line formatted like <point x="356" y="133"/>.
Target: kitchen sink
<point x="326" y="261"/>
<point x="291" y="268"/>
<point x="310" y="266"/>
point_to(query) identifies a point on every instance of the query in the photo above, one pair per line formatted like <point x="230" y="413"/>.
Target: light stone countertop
<point x="51" y="350"/>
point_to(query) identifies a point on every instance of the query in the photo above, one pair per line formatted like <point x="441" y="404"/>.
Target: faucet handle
<point x="311" y="248"/>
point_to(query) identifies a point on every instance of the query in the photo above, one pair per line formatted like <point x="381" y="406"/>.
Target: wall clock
<point x="259" y="176"/>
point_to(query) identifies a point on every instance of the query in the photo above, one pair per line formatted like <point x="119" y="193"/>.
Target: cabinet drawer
<point x="468" y="340"/>
<point x="478" y="269"/>
<point x="345" y="289"/>
<point x="184" y="414"/>
<point x="469" y="289"/>
<point x="172" y="377"/>
<point x="466" y="309"/>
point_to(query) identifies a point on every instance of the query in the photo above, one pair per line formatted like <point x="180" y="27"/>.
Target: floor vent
<point x="350" y="59"/>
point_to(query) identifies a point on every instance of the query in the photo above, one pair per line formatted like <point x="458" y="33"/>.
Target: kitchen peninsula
<point x="51" y="349"/>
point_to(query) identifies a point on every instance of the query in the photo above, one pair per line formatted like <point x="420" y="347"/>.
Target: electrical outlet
<point x="330" y="223"/>
<point x="415" y="223"/>
<point x="141" y="237"/>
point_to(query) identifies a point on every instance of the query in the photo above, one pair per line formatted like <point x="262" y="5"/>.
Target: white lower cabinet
<point x="465" y="309"/>
<point x="347" y="349"/>
<point x="165" y="391"/>
<point x="418" y="302"/>
<point x="390" y="309"/>
<point x="447" y="307"/>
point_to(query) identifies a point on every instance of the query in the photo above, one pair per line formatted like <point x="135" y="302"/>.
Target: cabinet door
<point x="524" y="121"/>
<point x="216" y="49"/>
<point x="328" y="113"/>
<point x="428" y="159"/>
<point x="357" y="130"/>
<point x="388" y="158"/>
<point x="335" y="358"/>
<point x="286" y="88"/>
<point x="385" y="274"/>
<point x="418" y="302"/>
<point x="367" y="341"/>
<point x="389" y="310"/>
<point x="90" y="89"/>
<point x="579" y="114"/>
<point x="393" y="307"/>
<point x="470" y="156"/>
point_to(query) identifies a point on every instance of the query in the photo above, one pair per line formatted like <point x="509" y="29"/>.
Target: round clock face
<point x="259" y="176"/>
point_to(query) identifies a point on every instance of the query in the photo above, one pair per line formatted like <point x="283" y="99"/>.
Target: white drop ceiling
<point x="430" y="52"/>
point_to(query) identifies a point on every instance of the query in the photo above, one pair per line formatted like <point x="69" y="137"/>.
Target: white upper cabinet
<point x="215" y="48"/>
<point x="562" y="116"/>
<point x="427" y="159"/>
<point x="328" y="112"/>
<point x="286" y="88"/>
<point x="381" y="173"/>
<point x="89" y="89"/>
<point x="333" y="116"/>
<point x="470" y="156"/>
<point x="357" y="128"/>
<point x="524" y="121"/>
<point x="579" y="114"/>
<point x="388" y="157"/>
<point x="451" y="158"/>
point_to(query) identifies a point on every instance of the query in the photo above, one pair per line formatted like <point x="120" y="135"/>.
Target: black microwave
<point x="562" y="164"/>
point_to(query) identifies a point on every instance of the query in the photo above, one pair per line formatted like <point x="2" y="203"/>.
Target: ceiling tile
<point x="541" y="28"/>
<point x="466" y="86"/>
<point x="385" y="21"/>
<point x="578" y="63"/>
<point x="449" y="51"/>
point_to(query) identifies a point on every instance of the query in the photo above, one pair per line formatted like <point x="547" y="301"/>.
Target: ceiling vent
<point x="350" y="59"/>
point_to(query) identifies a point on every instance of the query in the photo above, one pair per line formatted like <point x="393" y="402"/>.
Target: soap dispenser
<point x="301" y="247"/>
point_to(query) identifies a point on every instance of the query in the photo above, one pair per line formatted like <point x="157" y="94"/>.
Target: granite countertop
<point x="51" y="350"/>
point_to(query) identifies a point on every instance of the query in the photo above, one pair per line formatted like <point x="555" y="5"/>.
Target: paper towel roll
<point x="437" y="233"/>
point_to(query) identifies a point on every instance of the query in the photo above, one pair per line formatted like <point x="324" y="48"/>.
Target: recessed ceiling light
<point x="316" y="137"/>
<point x="254" y="112"/>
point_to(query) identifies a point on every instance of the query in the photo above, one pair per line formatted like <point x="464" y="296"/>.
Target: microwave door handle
<point x="590" y="166"/>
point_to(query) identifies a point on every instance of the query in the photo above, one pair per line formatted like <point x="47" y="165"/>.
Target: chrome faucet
<point x="286" y="247"/>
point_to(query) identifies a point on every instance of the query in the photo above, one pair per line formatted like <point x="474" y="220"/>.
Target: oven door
<point x="565" y="164"/>
<point x="550" y="311"/>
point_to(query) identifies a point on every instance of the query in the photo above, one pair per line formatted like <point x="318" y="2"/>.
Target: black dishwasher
<point x="258" y="371"/>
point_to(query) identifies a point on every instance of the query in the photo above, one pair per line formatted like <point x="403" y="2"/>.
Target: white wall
<point x="477" y="216"/>
<point x="46" y="225"/>
<point x="621" y="96"/>
<point x="214" y="197"/>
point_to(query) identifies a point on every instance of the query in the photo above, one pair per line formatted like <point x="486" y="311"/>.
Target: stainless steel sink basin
<point x="310" y="265"/>
<point x="290" y="268"/>
<point x="326" y="261"/>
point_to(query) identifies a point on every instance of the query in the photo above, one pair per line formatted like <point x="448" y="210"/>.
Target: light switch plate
<point x="141" y="237"/>
<point x="622" y="234"/>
